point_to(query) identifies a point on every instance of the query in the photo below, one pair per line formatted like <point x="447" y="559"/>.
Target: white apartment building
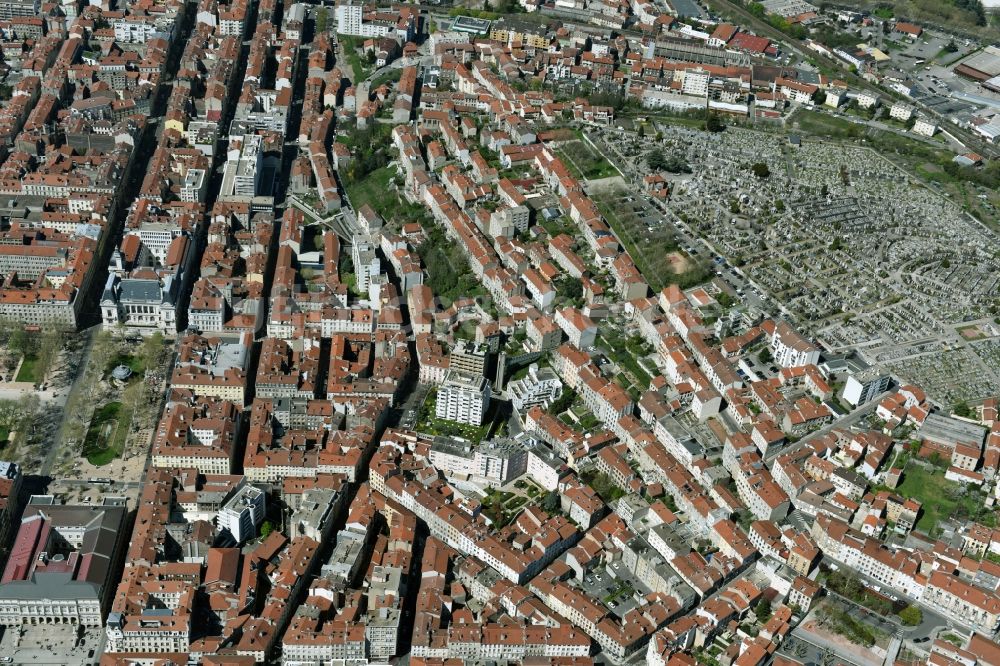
<point x="366" y="261"/>
<point x="865" y="386"/>
<point x="463" y="398"/>
<point x="544" y="466"/>
<point x="901" y="112"/>
<point x="790" y="349"/>
<point x="695" y="82"/>
<point x="925" y="127"/>
<point x="867" y="100"/>
<point x="540" y="387"/>
<point x="494" y="462"/>
<point x="348" y="15"/>
<point x="966" y="603"/>
<point x="241" y="177"/>
<point x="243" y="513"/>
<point x="578" y="327"/>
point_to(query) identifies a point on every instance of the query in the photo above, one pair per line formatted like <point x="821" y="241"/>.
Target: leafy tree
<point x="763" y="610"/>
<point x="656" y="159"/>
<point x="10" y="411"/>
<point x="22" y="342"/>
<point x="911" y="616"/>
<point x="266" y="528"/>
<point x="974" y="7"/>
<point x="154" y="351"/>
<point x="563" y="402"/>
<point x="570" y="288"/>
<point x="714" y="123"/>
<point x="677" y="164"/>
<point x="761" y="170"/>
<point x="551" y="502"/>
<point x="962" y="409"/>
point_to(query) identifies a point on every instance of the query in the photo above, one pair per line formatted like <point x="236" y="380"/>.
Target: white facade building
<point x="901" y="112"/>
<point x="865" y="386"/>
<point x="540" y="387"/>
<point x="925" y="127"/>
<point x="243" y="513"/>
<point x="463" y="398"/>
<point x="366" y="261"/>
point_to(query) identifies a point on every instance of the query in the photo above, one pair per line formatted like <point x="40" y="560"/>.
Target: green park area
<point x="448" y="272"/>
<point x="106" y="434"/>
<point x="843" y="623"/>
<point x="654" y="251"/>
<point x="942" y="499"/>
<point x="30" y="370"/>
<point x="133" y="362"/>
<point x="502" y="507"/>
<point x="626" y="354"/>
<point x="374" y="190"/>
<point x="584" y="162"/>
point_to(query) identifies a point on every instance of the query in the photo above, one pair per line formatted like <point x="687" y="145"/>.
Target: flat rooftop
<point x="471" y="25"/>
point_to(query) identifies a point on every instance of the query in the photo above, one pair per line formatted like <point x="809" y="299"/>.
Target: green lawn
<point x="28" y="372"/>
<point x="824" y="124"/>
<point x="560" y="225"/>
<point x="436" y="426"/>
<point x="374" y="190"/>
<point x="933" y="491"/>
<point x="584" y="163"/>
<point x="131" y="361"/>
<point x="106" y="434"/>
<point x="502" y="507"/>
<point x="914" y="151"/>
